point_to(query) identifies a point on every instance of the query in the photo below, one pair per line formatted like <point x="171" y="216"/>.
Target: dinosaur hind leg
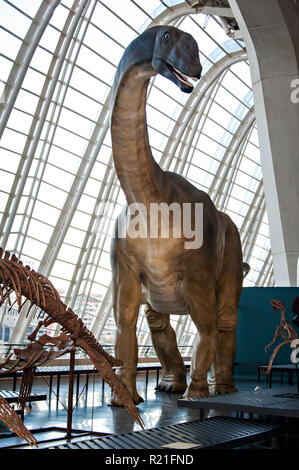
<point x="228" y="291"/>
<point x="164" y="342"/>
<point x="203" y="313"/>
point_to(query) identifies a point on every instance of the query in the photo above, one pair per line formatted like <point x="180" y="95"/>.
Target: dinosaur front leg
<point x="164" y="342"/>
<point x="127" y="299"/>
<point x="203" y="314"/>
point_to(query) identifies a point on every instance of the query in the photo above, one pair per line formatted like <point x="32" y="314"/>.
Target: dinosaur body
<point x="205" y="282"/>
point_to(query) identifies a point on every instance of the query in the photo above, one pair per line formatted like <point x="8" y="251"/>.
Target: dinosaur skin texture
<point x="206" y="282"/>
<point x="39" y="291"/>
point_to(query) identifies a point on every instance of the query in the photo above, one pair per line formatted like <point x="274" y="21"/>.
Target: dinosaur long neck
<point x="139" y="175"/>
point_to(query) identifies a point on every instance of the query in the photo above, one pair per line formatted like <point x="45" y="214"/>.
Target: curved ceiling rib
<point x="24" y="57"/>
<point x="199" y="95"/>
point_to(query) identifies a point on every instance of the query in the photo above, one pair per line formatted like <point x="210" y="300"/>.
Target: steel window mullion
<point x="56" y="65"/>
<point x="143" y="11"/>
<point x="209" y="36"/>
<point x="236" y="97"/>
<point x="255" y="203"/>
<point x="119" y="17"/>
<point x="91" y="74"/>
<point x="264" y="273"/>
<point x="39" y="118"/>
<point x="108" y="35"/>
<point x="97" y="254"/>
<point x="203" y="112"/>
<point x="254" y="229"/>
<point x="11" y="33"/>
<point x="30" y="43"/>
<point x="193" y="102"/>
<point x="105" y="59"/>
<point x="234" y="39"/>
<point x="234" y="149"/>
<point x="91" y="234"/>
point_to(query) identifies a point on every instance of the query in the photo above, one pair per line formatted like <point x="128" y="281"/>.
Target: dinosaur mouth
<point x="182" y="77"/>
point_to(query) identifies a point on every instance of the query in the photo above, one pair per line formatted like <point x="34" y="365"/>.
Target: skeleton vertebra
<point x="40" y="292"/>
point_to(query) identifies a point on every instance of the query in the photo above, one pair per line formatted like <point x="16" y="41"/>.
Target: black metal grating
<point x="268" y="401"/>
<point x="213" y="432"/>
<point x="12" y="396"/>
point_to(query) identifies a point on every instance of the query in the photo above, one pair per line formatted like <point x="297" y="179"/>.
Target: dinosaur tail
<point x="107" y="373"/>
<point x="246" y="269"/>
<point x="14" y="422"/>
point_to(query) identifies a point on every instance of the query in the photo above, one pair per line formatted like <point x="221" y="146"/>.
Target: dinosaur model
<point x="39" y="291"/>
<point x="205" y="282"/>
<point x="284" y="330"/>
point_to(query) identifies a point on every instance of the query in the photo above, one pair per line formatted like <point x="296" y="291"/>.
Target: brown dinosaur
<point x="22" y="281"/>
<point x="205" y="282"/>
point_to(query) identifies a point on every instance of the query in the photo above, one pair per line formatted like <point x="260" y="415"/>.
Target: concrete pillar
<point x="270" y="30"/>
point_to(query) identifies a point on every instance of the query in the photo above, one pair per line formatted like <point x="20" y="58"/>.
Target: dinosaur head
<point x="176" y="57"/>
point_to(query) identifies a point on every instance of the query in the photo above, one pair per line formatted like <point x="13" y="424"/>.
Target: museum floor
<point x="92" y="412"/>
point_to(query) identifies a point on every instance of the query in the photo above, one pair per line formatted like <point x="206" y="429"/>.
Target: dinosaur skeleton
<point x="39" y="291"/>
<point x="286" y="331"/>
<point x="14" y="422"/>
<point x="32" y="356"/>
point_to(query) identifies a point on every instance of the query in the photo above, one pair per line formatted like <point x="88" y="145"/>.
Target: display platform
<point x="280" y="401"/>
<point x="209" y="433"/>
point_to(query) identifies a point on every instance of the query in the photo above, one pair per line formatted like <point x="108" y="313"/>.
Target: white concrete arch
<point x="273" y="61"/>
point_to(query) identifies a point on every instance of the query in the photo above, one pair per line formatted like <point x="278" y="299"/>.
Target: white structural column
<point x="274" y="67"/>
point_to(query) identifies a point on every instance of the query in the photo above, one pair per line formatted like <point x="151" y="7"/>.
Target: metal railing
<point x="144" y="351"/>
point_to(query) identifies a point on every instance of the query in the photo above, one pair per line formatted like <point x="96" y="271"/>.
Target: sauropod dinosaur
<point x="204" y="282"/>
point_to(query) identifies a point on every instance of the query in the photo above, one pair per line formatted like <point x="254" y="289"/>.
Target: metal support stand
<point x="71" y="393"/>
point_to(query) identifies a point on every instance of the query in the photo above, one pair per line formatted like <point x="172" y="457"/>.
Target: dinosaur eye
<point x="166" y="36"/>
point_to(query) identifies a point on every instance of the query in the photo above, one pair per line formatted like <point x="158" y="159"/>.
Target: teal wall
<point x="257" y="324"/>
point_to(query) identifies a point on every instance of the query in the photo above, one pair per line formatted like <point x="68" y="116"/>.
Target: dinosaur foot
<point x="197" y="389"/>
<point x="117" y="402"/>
<point x="222" y="389"/>
<point x="172" y="383"/>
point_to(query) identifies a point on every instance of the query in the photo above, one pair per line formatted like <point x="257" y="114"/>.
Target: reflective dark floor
<point x="93" y="413"/>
